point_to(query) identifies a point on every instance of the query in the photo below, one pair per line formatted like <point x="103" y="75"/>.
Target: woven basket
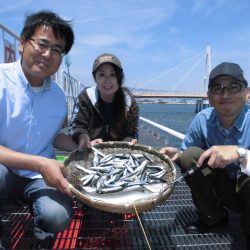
<point x="119" y="202"/>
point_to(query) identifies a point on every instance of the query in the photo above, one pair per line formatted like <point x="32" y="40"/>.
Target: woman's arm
<point x="80" y="118"/>
<point x="65" y="142"/>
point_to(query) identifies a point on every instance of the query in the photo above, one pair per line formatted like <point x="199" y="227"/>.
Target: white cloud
<point x="100" y="40"/>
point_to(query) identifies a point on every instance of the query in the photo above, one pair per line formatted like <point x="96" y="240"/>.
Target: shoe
<point x="41" y="235"/>
<point x="197" y="226"/>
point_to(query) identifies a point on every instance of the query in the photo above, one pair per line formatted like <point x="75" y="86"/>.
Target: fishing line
<point x="142" y="228"/>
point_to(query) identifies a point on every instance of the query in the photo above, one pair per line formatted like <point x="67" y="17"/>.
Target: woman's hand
<point x="96" y="141"/>
<point x="133" y="141"/>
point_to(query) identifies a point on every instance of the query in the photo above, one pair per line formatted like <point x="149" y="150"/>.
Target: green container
<point x="60" y="158"/>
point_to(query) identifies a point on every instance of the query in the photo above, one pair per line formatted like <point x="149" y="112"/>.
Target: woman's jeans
<point x="52" y="210"/>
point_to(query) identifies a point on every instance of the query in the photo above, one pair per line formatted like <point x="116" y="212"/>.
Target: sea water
<point x="174" y="116"/>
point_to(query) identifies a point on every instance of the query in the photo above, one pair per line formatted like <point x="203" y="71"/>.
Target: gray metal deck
<point x="94" y="229"/>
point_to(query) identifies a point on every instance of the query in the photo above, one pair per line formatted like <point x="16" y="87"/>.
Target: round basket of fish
<point x="118" y="177"/>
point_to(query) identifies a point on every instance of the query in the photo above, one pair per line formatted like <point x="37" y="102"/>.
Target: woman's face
<point x="106" y="80"/>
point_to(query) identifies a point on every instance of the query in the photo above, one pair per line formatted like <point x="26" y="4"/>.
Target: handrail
<point x="169" y="95"/>
<point x="5" y="28"/>
<point x="163" y="128"/>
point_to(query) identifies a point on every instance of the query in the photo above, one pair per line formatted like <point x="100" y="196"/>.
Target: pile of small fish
<point x="120" y="172"/>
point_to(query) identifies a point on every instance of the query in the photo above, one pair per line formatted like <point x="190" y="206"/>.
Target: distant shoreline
<point x="161" y="102"/>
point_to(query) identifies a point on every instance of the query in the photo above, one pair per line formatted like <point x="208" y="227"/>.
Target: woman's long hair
<point x="124" y="120"/>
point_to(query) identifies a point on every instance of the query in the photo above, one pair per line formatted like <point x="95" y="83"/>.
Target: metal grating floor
<point x="94" y="229"/>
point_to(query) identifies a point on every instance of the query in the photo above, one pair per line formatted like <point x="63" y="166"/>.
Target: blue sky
<point x="161" y="43"/>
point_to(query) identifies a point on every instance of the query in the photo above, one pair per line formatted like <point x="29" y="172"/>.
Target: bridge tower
<point x="202" y="103"/>
<point x="207" y="69"/>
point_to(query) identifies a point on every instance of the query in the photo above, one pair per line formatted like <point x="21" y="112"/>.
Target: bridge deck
<point x="170" y="95"/>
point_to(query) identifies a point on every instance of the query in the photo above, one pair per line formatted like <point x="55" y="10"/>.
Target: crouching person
<point x="33" y="109"/>
<point x="218" y="141"/>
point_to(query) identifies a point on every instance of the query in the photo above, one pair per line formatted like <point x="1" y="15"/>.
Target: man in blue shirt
<point x="218" y="141"/>
<point x="33" y="109"/>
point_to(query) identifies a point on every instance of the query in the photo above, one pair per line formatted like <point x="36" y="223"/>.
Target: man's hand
<point x="219" y="156"/>
<point x="172" y="153"/>
<point x="52" y="170"/>
<point x="54" y="174"/>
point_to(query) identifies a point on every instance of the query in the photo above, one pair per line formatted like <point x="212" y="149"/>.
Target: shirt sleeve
<point x="194" y="135"/>
<point x="246" y="169"/>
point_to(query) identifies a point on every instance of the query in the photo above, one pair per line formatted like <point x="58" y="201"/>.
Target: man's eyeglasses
<point x="232" y="87"/>
<point x="43" y="46"/>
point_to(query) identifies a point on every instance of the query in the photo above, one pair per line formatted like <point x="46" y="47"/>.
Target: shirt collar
<point x="238" y="124"/>
<point x="240" y="121"/>
<point x="25" y="83"/>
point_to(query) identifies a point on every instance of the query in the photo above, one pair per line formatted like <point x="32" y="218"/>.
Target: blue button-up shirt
<point x="29" y="120"/>
<point x="206" y="131"/>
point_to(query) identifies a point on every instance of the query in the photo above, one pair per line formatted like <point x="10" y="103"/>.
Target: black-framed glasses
<point x="232" y="87"/>
<point x="43" y="46"/>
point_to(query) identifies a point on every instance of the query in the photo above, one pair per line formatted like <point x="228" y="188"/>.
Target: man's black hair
<point x="61" y="28"/>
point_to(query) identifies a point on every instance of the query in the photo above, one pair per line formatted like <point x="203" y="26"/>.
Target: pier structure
<point x="169" y="95"/>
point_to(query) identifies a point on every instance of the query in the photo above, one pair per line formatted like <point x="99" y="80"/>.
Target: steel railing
<point x="163" y="128"/>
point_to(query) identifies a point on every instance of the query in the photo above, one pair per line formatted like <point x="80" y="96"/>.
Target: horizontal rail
<point x="163" y="128"/>
<point x="6" y="29"/>
<point x="170" y="96"/>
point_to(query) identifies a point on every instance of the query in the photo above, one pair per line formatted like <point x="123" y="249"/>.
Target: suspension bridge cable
<point x="185" y="76"/>
<point x="166" y="72"/>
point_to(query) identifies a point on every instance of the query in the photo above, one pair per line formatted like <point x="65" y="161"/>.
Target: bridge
<point x="140" y="92"/>
<point x="174" y="95"/>
<point x="170" y="95"/>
